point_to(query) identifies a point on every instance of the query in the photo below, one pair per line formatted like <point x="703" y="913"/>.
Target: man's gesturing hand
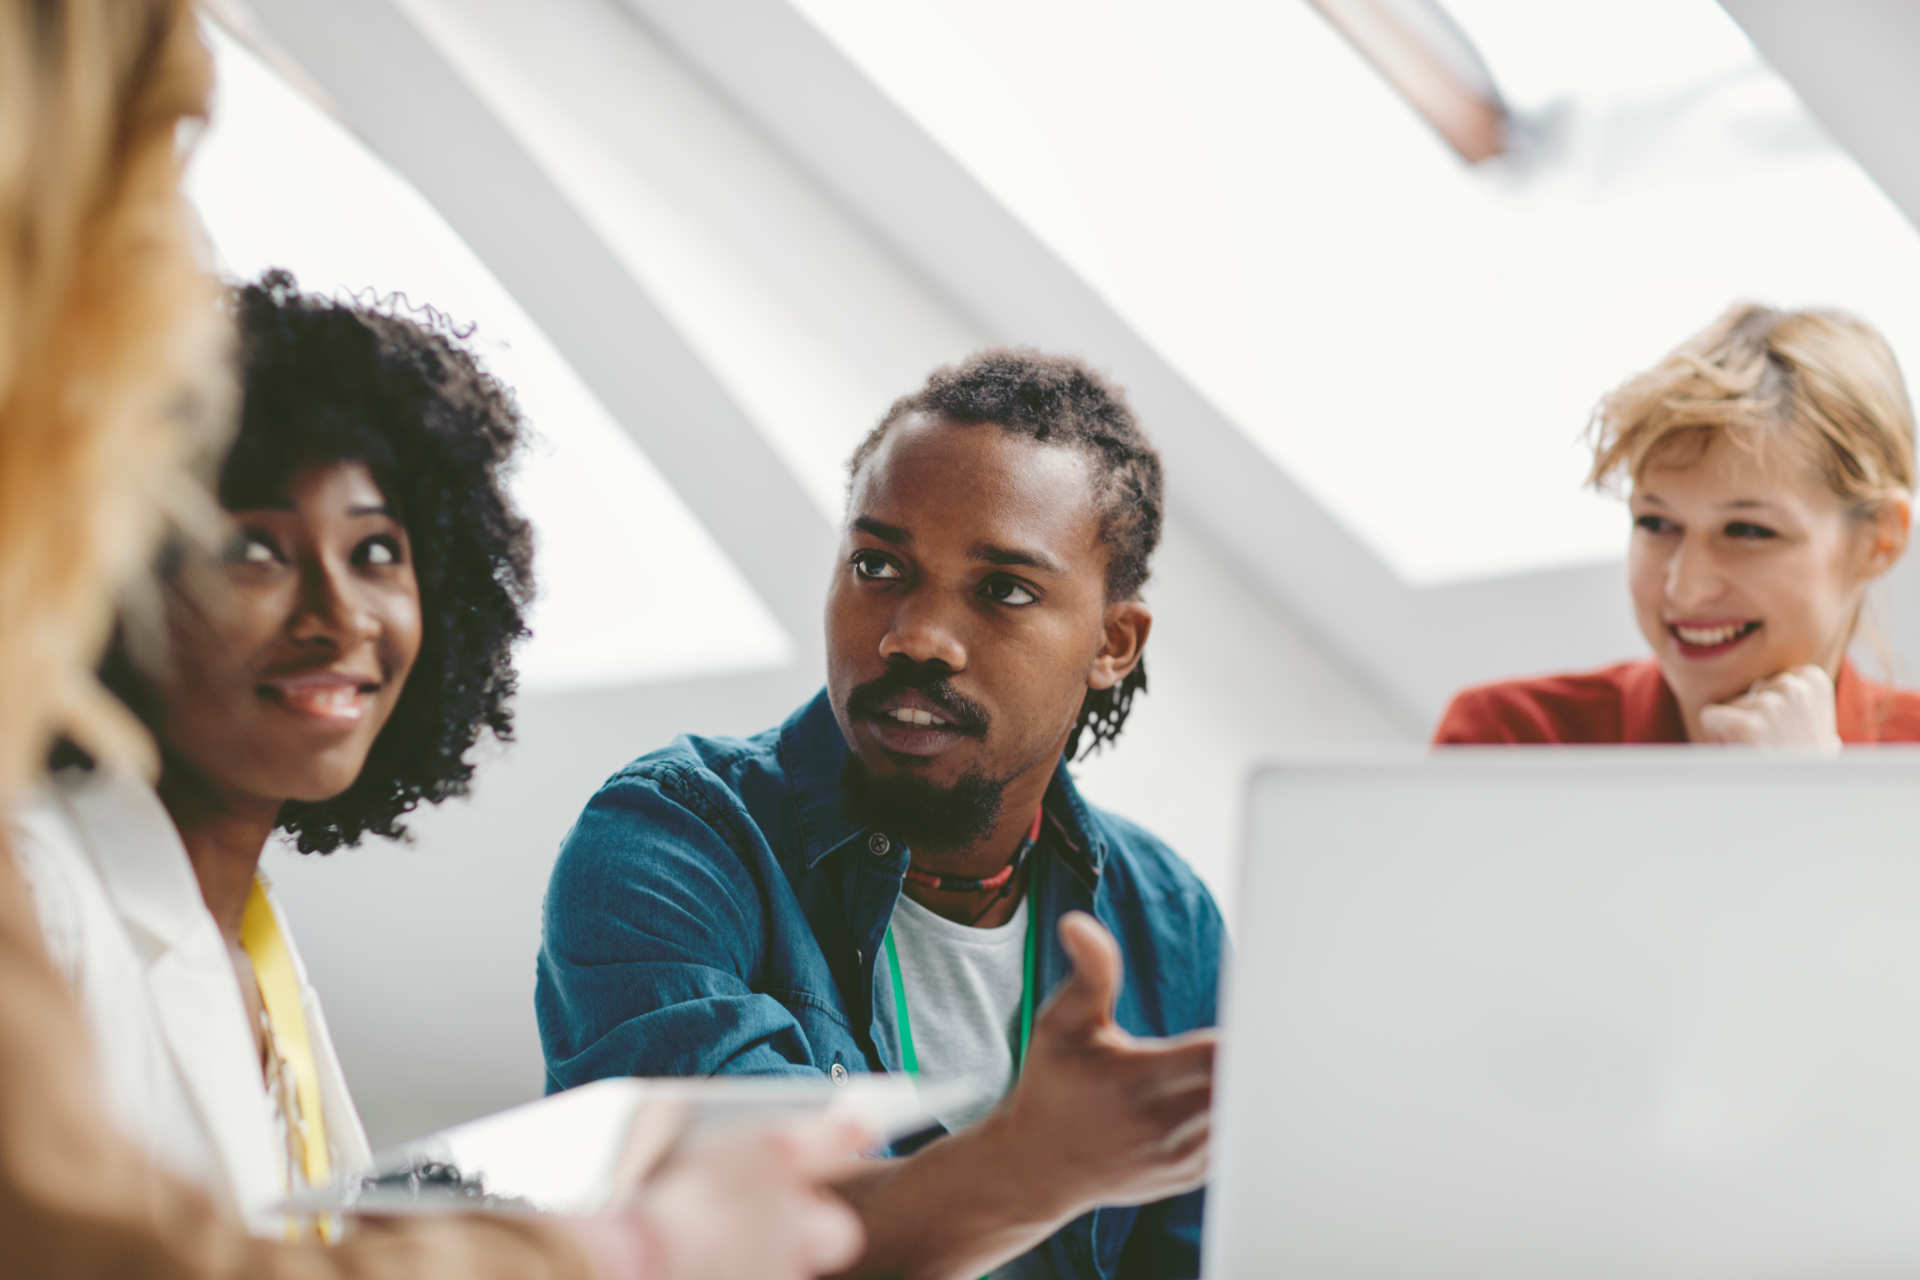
<point x="1099" y="1117"/>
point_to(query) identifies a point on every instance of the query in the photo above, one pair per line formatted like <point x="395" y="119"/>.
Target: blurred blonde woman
<point x="110" y="379"/>
<point x="1769" y="468"/>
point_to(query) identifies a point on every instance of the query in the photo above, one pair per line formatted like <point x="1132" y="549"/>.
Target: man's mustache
<point x="929" y="680"/>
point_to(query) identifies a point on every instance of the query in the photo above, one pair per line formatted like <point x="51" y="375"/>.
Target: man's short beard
<point x="915" y="811"/>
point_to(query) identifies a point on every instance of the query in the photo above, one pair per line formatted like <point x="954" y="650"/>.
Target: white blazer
<point x="125" y="922"/>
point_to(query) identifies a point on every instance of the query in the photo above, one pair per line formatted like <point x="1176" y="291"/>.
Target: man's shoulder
<point x="697" y="767"/>
<point x="1151" y="869"/>
<point x="703" y="769"/>
<point x="701" y="800"/>
<point x="1169" y="928"/>
<point x="50" y="849"/>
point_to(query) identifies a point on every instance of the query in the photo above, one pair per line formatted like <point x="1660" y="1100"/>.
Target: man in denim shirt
<point x="745" y="906"/>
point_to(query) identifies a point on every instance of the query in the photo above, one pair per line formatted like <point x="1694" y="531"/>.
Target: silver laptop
<point x="1570" y="1013"/>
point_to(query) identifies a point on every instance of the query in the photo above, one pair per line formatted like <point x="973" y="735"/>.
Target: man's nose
<point x="922" y="630"/>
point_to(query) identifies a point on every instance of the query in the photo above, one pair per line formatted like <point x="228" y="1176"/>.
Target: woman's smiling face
<point x="287" y="654"/>
<point x="1744" y="564"/>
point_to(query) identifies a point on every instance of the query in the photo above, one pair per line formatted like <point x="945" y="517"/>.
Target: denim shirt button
<point x="839" y="1074"/>
<point x="878" y="845"/>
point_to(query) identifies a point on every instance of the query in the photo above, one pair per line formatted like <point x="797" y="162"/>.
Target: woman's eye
<point x="1653" y="524"/>
<point x="874" y="566"/>
<point x="1745" y="529"/>
<point x="381" y="550"/>
<point x="250" y="546"/>
<point x="1007" y="591"/>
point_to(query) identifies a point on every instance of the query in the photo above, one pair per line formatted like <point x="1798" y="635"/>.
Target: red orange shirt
<point x="1632" y="703"/>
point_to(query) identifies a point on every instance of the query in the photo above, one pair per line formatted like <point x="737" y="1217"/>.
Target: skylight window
<point x="1418" y="341"/>
<point x="279" y="183"/>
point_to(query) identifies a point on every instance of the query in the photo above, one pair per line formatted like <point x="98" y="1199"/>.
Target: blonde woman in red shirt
<point x="1768" y="464"/>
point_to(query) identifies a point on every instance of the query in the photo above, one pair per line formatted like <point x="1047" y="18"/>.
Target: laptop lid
<point x="1574" y="1013"/>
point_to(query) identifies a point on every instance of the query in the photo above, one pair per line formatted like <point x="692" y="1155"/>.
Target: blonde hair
<point x="1824" y="381"/>
<point x="111" y="342"/>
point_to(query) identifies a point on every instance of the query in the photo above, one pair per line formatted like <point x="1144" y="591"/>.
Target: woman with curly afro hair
<point x="396" y="391"/>
<point x="327" y="667"/>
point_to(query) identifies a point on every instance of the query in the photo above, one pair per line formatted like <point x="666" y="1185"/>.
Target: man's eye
<point x="1746" y="529"/>
<point x="250" y="546"/>
<point x="1007" y="591"/>
<point x="873" y="565"/>
<point x="1653" y="524"/>
<point x="381" y="550"/>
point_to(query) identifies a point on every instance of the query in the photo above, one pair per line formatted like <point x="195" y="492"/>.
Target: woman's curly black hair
<point x="381" y="382"/>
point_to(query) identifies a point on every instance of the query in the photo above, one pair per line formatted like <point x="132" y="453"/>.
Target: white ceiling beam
<point x="1856" y="66"/>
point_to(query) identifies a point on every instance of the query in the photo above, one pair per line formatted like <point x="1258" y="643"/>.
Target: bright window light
<point x="632" y="588"/>
<point x="1418" y="342"/>
<point x="812" y="328"/>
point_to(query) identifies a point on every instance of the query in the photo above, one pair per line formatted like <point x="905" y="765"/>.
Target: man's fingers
<point x="1186" y="1135"/>
<point x="1175" y="1085"/>
<point x="1171" y="1067"/>
<point x="1202" y="1042"/>
<point x="1176" y="1113"/>
<point x="1086" y="999"/>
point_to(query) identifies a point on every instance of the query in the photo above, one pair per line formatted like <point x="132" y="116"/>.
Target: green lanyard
<point x="1029" y="979"/>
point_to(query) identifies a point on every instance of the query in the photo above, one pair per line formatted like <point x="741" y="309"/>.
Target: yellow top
<point x="266" y="948"/>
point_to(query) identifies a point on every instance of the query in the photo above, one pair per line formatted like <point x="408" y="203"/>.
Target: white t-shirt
<point x="963" y="989"/>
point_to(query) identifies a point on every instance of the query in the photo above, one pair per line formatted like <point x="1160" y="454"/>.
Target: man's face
<point x="968" y="614"/>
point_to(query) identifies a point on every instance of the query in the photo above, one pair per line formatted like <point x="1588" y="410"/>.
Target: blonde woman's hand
<point x="1792" y="709"/>
<point x="754" y="1204"/>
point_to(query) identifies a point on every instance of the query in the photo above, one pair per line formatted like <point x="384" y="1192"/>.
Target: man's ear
<point x="1890" y="525"/>
<point x="1127" y="624"/>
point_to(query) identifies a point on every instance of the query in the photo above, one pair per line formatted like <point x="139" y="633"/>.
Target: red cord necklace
<point x="979" y="884"/>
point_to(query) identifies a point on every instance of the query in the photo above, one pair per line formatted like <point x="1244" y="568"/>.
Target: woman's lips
<point x="1712" y="638"/>
<point x="327" y="702"/>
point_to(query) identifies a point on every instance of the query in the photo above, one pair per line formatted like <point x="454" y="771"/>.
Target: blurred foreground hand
<point x="750" y="1204"/>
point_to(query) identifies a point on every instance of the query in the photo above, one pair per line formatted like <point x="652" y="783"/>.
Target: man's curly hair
<point x="1058" y="400"/>
<point x="394" y="387"/>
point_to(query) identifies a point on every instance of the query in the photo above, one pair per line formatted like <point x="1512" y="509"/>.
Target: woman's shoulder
<point x="49" y="848"/>
<point x="1893" y="714"/>
<point x="1565" y="707"/>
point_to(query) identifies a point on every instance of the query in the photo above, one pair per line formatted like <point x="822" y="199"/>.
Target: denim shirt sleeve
<point x="650" y="938"/>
